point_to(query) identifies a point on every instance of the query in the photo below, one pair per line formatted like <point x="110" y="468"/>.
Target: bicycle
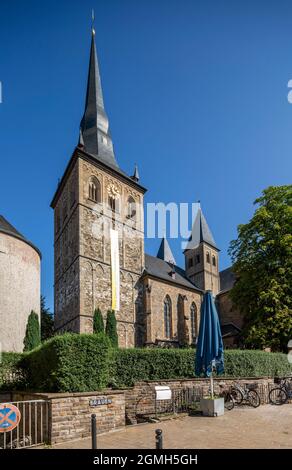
<point x="280" y="395"/>
<point x="229" y="401"/>
<point x="246" y="393"/>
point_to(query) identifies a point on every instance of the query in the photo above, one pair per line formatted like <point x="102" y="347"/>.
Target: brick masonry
<point x="70" y="413"/>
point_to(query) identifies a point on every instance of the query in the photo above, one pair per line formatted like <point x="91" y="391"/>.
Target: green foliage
<point x="262" y="262"/>
<point x="68" y="363"/>
<point x="11" y="375"/>
<point x="132" y="365"/>
<point x="47" y="321"/>
<point x="98" y="325"/>
<point x="111" y="328"/>
<point x="32" y="335"/>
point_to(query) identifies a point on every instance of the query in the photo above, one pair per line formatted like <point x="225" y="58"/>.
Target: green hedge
<point x="11" y="374"/>
<point x="80" y="363"/>
<point x="68" y="363"/>
<point x="131" y="365"/>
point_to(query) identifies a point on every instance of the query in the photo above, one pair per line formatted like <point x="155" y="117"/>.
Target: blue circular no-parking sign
<point x="9" y="417"/>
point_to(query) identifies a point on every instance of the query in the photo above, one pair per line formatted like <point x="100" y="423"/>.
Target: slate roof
<point x="161" y="269"/>
<point x="200" y="232"/>
<point x="227" y="279"/>
<point x="165" y="252"/>
<point x="94" y="127"/>
<point x="9" y="229"/>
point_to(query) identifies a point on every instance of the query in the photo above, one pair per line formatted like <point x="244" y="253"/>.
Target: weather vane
<point x="92" y="21"/>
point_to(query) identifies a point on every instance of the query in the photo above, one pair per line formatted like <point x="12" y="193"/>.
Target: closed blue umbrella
<point x="209" y="353"/>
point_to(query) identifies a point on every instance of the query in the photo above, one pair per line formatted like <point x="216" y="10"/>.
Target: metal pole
<point x="158" y="439"/>
<point x="93" y="432"/>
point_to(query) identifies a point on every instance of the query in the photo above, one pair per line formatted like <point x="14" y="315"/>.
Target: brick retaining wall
<point x="140" y="398"/>
<point x="70" y="413"/>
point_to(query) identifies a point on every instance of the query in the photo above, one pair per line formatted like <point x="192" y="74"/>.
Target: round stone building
<point x="19" y="285"/>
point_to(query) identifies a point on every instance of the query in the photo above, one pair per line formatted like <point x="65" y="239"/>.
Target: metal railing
<point x="32" y="429"/>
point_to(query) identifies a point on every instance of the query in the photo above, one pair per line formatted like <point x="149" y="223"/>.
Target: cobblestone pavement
<point x="264" y="427"/>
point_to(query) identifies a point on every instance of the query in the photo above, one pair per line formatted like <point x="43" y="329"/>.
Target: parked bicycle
<point x="229" y="401"/>
<point x="246" y="393"/>
<point x="282" y="393"/>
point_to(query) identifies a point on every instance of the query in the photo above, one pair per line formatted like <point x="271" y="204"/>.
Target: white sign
<point x="115" y="266"/>
<point x="162" y="392"/>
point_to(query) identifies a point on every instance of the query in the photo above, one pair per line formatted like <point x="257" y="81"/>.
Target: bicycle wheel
<point x="229" y="402"/>
<point x="278" y="396"/>
<point x="254" y="398"/>
<point x="237" y="395"/>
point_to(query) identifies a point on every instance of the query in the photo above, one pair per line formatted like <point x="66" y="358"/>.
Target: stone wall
<point x="155" y="292"/>
<point x="70" y="413"/>
<point x="82" y="251"/>
<point x="141" y="398"/>
<point x="19" y="290"/>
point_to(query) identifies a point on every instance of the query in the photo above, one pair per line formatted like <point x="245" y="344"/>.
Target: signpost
<point x="9" y="417"/>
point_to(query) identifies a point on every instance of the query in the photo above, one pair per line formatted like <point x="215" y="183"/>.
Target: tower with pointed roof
<point x="201" y="256"/>
<point x="93" y="197"/>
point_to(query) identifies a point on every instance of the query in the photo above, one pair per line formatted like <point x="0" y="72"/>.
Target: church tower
<point x="202" y="256"/>
<point x="96" y="202"/>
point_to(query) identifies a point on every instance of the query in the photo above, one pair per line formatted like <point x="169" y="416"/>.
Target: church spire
<point x="201" y="232"/>
<point x="94" y="125"/>
<point x="165" y="252"/>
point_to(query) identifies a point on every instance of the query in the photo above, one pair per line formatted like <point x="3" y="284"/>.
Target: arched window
<point x="213" y="260"/>
<point x="193" y="315"/>
<point x="131" y="208"/>
<point x="167" y="317"/>
<point x="94" y="189"/>
<point x="198" y="260"/>
<point x="114" y="203"/>
<point x="208" y="257"/>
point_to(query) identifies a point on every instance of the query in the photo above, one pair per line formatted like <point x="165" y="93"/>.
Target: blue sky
<point x="196" y="93"/>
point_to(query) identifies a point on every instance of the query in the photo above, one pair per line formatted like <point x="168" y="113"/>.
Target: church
<point x="156" y="302"/>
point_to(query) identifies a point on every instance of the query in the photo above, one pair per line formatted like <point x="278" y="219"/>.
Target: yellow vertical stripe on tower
<point x="115" y="270"/>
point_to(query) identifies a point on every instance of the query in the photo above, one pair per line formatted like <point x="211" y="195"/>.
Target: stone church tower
<point x="93" y="197"/>
<point x="202" y="256"/>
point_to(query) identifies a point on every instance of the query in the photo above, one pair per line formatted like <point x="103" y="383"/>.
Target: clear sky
<point x="196" y="93"/>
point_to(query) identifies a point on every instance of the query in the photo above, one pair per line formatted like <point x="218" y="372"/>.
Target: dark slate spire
<point x="94" y="125"/>
<point x="165" y="252"/>
<point x="200" y="232"/>
<point x="136" y="176"/>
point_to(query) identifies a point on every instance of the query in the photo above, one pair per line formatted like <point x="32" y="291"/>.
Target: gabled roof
<point x="159" y="268"/>
<point x="165" y="252"/>
<point x="200" y="232"/>
<point x="7" y="228"/>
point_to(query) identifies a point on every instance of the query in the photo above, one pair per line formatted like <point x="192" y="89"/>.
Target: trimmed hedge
<point x="11" y="374"/>
<point x="132" y="365"/>
<point x="68" y="363"/>
<point x="81" y="363"/>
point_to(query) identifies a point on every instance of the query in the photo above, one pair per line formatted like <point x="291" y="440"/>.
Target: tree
<point x="47" y="321"/>
<point x="111" y="328"/>
<point x="32" y="335"/>
<point x="98" y="325"/>
<point x="262" y="263"/>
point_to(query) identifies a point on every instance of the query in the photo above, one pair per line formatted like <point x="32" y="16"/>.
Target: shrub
<point x="98" y="325"/>
<point x="32" y="335"/>
<point x="11" y="374"/>
<point x="111" y="328"/>
<point x="69" y="363"/>
<point x="131" y="365"/>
